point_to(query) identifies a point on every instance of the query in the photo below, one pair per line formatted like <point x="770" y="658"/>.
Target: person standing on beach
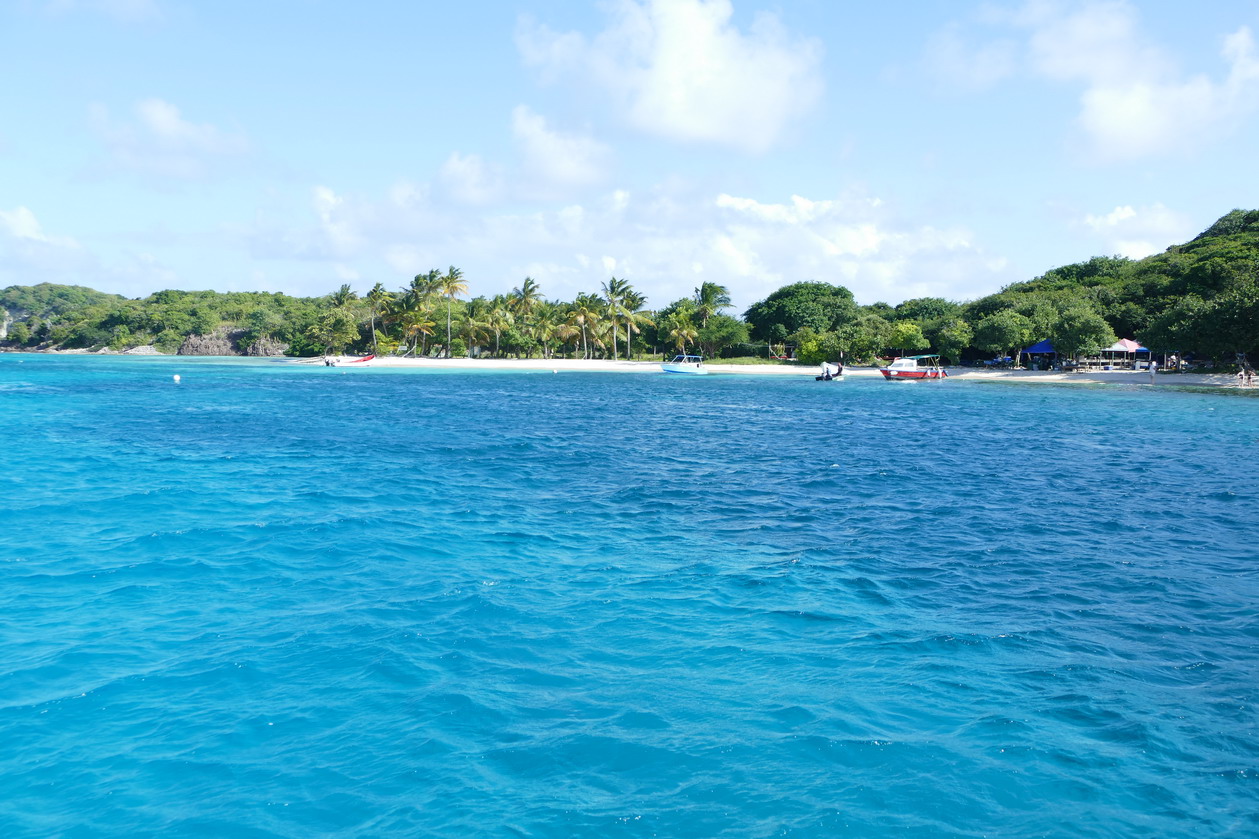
<point x="1153" y="370"/>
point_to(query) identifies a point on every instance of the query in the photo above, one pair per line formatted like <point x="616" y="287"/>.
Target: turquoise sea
<point x="293" y="601"/>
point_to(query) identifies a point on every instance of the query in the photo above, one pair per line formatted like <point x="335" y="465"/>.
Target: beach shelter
<point x="1125" y="350"/>
<point x="1125" y="345"/>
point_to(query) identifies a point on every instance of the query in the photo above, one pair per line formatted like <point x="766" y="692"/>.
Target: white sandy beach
<point x="568" y="365"/>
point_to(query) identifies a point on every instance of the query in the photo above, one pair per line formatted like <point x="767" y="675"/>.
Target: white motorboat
<point x="692" y="364"/>
<point x="914" y="368"/>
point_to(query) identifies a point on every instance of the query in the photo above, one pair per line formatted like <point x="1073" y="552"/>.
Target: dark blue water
<point x="278" y="601"/>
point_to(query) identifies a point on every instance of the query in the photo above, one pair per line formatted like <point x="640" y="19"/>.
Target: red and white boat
<point x="913" y="368"/>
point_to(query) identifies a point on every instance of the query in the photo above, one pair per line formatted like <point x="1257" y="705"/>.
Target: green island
<point x="1199" y="299"/>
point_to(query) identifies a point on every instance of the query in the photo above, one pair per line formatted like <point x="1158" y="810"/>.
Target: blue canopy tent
<point x="1042" y="348"/>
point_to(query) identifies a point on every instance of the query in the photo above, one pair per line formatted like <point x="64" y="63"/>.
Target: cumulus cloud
<point x="665" y="241"/>
<point x="555" y="160"/>
<point x="20" y="225"/>
<point x="1134" y="101"/>
<point x="1137" y="232"/>
<point x="680" y="69"/>
<point x="29" y="254"/>
<point x="468" y="179"/>
<point x="954" y="62"/>
<point x="160" y="142"/>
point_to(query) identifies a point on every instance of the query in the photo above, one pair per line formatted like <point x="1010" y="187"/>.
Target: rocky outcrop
<point x="216" y="343"/>
<point x="266" y="347"/>
<point x="147" y="349"/>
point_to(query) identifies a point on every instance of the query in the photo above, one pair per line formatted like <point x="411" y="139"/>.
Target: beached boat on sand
<point x="914" y="368"/>
<point x="692" y="364"/>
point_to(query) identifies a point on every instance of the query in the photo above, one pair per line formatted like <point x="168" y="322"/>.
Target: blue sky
<point x="943" y="148"/>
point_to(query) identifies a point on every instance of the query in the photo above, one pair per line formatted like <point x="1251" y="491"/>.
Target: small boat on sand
<point x="692" y="364"/>
<point x="334" y="360"/>
<point x="914" y="368"/>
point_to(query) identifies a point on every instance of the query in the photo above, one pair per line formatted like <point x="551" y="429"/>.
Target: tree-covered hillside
<point x="49" y="301"/>
<point x="1200" y="297"/>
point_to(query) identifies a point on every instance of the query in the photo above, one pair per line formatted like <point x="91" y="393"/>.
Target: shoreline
<point x="571" y="365"/>
<point x="1124" y="377"/>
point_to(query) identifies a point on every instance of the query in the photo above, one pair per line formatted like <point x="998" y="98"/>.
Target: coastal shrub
<point x="122" y="339"/>
<point x="1080" y="330"/>
<point x="19" y="333"/>
<point x="458" y="348"/>
<point x="168" y="341"/>
<point x="818" y="306"/>
<point x="907" y="335"/>
<point x="1004" y="332"/>
<point x="721" y="333"/>
<point x="952" y="339"/>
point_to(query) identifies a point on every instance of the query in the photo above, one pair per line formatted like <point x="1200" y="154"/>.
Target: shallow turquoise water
<point x="282" y="601"/>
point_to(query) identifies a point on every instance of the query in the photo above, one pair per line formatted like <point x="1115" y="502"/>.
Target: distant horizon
<point x="167" y="145"/>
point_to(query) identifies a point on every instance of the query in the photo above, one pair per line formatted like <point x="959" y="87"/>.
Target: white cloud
<point x="665" y="241"/>
<point x="1135" y="102"/>
<point x="680" y="69"/>
<point x="20" y="224"/>
<point x="29" y="255"/>
<point x="553" y="160"/>
<point x="470" y="180"/>
<point x="953" y="62"/>
<point x="1137" y="232"/>
<point x="338" y="230"/>
<point x="160" y="142"/>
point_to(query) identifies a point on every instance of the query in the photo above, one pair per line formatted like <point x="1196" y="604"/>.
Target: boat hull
<point x="912" y="375"/>
<point x="685" y="369"/>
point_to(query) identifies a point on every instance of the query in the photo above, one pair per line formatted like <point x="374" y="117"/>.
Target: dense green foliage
<point x="1200" y="297"/>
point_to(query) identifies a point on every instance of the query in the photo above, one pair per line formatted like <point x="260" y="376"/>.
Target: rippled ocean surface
<point x="293" y="601"/>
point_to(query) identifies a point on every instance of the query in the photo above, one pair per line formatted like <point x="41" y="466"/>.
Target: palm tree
<point x="599" y="332"/>
<point x="474" y="331"/>
<point x="614" y="299"/>
<point x="423" y="288"/>
<point x="546" y="325"/>
<point x="635" y="317"/>
<point x="451" y="284"/>
<point x="499" y="318"/>
<point x="343" y="296"/>
<point x="524" y="300"/>
<point x="683" y="334"/>
<point x="710" y="299"/>
<point x="584" y="314"/>
<point x="418" y="324"/>
<point x="567" y="333"/>
<point x="379" y="300"/>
